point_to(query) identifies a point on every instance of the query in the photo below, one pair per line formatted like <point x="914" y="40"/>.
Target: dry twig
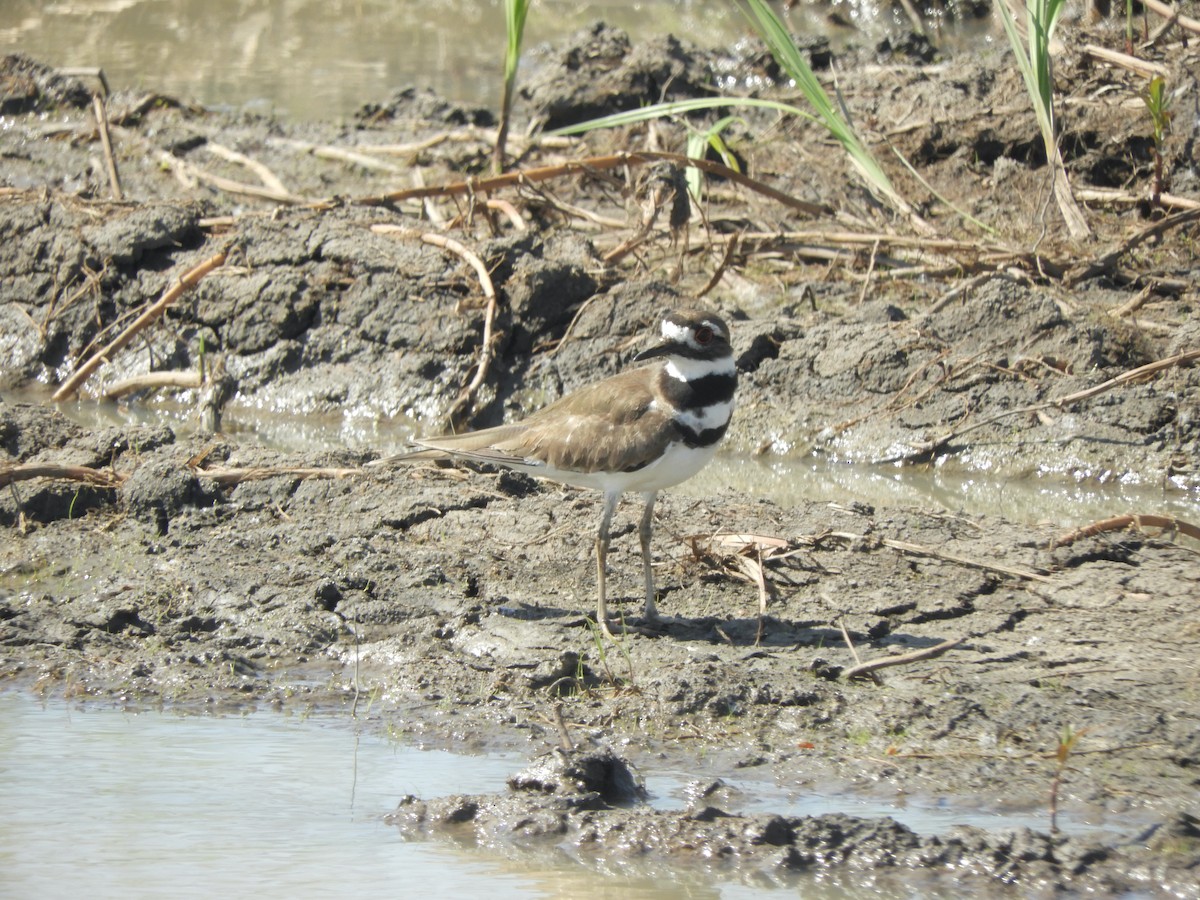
<point x="110" y="162"/>
<point x="871" y="666"/>
<point x="592" y="164"/>
<point x="189" y="280"/>
<point x="150" y="381"/>
<point x="1121" y="523"/>
<point x="12" y="473"/>
<point x="486" y="352"/>
<point x="932" y="553"/>
<point x="339" y="154"/>
<point x="235" y="475"/>
<point x="1169" y="12"/>
<point x="1125" y="61"/>
<point x="1111" y="195"/>
<point x="1106" y="262"/>
<point x="269" y="179"/>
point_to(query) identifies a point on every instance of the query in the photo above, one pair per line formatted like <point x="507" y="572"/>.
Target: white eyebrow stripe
<point x="673" y="332"/>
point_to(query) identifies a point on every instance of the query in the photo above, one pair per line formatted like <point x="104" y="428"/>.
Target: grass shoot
<point x="515" y="12"/>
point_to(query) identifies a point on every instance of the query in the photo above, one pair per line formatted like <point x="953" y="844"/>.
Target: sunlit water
<point x="303" y="59"/>
<point x="101" y="802"/>
<point x="1053" y="500"/>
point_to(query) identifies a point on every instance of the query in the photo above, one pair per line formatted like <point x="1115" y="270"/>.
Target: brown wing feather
<point x="582" y="432"/>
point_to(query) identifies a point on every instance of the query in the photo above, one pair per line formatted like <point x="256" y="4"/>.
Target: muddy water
<point x="306" y="60"/>
<point x="1062" y="500"/>
<point x="268" y="805"/>
<point x="301" y="59"/>
<point x="261" y="805"/>
<point x="254" y="805"/>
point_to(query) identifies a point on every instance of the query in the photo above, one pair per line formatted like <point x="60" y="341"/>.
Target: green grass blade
<point x="929" y="187"/>
<point x="780" y="43"/>
<point x="1034" y="59"/>
<point x="515" y="12"/>
<point x="790" y="59"/>
<point x="676" y="107"/>
<point x="698" y="143"/>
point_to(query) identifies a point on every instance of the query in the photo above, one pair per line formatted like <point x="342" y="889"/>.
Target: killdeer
<point x="644" y="429"/>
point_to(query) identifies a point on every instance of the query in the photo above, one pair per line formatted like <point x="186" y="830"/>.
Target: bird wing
<point x="586" y="431"/>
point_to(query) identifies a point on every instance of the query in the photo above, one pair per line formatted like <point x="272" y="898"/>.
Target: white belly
<point x="679" y="463"/>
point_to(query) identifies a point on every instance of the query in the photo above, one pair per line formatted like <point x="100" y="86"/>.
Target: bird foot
<point x="650" y="628"/>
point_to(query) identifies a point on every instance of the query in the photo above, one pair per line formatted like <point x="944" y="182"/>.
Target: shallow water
<point x="309" y="60"/>
<point x="104" y="802"/>
<point x="101" y="801"/>
<point x="1052" y="499"/>
<point x="301" y="59"/>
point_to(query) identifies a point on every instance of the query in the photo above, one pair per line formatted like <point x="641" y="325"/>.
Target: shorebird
<point x="643" y="430"/>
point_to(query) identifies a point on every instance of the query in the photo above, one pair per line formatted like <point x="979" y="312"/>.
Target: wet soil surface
<point x="178" y="565"/>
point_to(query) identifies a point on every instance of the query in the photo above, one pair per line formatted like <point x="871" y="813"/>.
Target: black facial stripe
<point x="699" y="392"/>
<point x="706" y="438"/>
<point x="713" y="350"/>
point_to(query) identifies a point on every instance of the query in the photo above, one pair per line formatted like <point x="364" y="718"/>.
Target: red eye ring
<point x="704" y="334"/>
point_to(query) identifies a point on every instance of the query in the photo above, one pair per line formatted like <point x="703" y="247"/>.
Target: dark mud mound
<point x="977" y="379"/>
<point x="602" y="72"/>
<point x="574" y="816"/>
<point x="28" y="86"/>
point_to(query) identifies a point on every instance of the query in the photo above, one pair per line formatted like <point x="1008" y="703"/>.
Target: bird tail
<point x="473" y="445"/>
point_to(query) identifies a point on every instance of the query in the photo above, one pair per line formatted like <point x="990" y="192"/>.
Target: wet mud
<point x="180" y="565"/>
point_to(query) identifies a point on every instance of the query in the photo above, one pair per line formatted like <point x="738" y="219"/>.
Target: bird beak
<point x="663" y="349"/>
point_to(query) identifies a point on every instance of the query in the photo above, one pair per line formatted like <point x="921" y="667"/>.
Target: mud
<point x="201" y="570"/>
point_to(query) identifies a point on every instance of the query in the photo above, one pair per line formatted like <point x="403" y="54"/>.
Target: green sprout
<point x="825" y="113"/>
<point x="1158" y="103"/>
<point x="1066" y="744"/>
<point x="698" y="144"/>
<point x="515" y="12"/>
<point x="1037" y="68"/>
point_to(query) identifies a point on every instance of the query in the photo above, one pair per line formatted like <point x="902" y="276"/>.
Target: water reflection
<point x="103" y="802"/>
<point x="303" y="59"/>
<point x="106" y="802"/>
<point x="325" y="59"/>
<point x="1051" y="499"/>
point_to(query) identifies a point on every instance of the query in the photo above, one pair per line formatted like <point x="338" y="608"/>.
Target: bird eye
<point x="704" y="334"/>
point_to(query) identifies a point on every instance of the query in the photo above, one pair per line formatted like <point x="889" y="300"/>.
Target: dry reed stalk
<point x="189" y="280"/>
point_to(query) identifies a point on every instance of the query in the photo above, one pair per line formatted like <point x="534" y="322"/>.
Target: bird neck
<point x="702" y="402"/>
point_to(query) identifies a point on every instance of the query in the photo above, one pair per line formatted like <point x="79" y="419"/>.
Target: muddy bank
<point x="178" y="566"/>
<point x="457" y="606"/>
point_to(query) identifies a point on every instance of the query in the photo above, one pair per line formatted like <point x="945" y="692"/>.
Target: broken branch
<point x="591" y="164"/>
<point x="189" y="280"/>
<point x="871" y="666"/>
<point x="1121" y="523"/>
<point x="10" y="474"/>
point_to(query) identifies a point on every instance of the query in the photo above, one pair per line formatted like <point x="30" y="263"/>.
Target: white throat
<point x="682" y="369"/>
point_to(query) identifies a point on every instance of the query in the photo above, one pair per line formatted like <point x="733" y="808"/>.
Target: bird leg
<point x="602" y="538"/>
<point x="644" y="534"/>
